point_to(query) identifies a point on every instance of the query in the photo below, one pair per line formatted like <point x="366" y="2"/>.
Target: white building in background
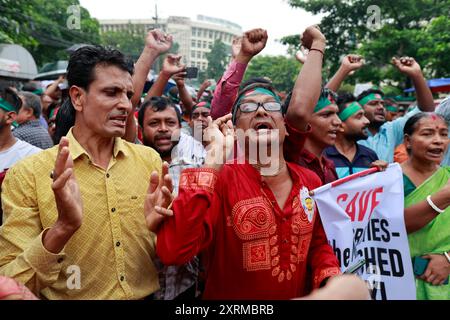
<point x="195" y="37"/>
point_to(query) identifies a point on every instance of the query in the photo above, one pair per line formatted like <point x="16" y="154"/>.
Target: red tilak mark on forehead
<point x="434" y="117"/>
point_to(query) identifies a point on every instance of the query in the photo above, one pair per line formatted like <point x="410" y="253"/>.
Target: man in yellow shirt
<point x="74" y="224"/>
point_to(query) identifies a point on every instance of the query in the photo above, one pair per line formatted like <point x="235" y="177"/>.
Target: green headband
<point x="350" y="110"/>
<point x="258" y="91"/>
<point x="391" y="108"/>
<point x="202" y="104"/>
<point x="5" y="105"/>
<point x="322" y="103"/>
<point x="370" y="97"/>
<point x="38" y="92"/>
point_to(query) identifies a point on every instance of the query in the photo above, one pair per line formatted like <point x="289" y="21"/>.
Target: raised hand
<point x="236" y="46"/>
<point x="158" y="41"/>
<point x="252" y="43"/>
<point x="159" y="199"/>
<point x="352" y="62"/>
<point x="171" y="65"/>
<point x="312" y="35"/>
<point x="66" y="190"/>
<point x="220" y="138"/>
<point x="407" y="65"/>
<point x="179" y="78"/>
<point x="301" y="55"/>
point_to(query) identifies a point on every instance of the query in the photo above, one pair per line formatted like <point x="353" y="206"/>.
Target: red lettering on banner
<point x="358" y="205"/>
<point x="375" y="202"/>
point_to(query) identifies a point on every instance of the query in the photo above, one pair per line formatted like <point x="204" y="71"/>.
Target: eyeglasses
<point x="253" y="106"/>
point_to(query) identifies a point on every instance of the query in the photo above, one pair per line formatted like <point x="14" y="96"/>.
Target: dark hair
<point x="343" y="100"/>
<point x="32" y="102"/>
<point x="82" y="62"/>
<point x="367" y="92"/>
<point x="64" y="120"/>
<point x="157" y="104"/>
<point x="411" y="124"/>
<point x="255" y="80"/>
<point x="390" y="102"/>
<point x="10" y="96"/>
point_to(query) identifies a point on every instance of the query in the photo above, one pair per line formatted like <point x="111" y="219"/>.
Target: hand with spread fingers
<point x="220" y="137"/>
<point x="158" y="41"/>
<point x="66" y="189"/>
<point x="171" y="65"/>
<point x="407" y="65"/>
<point x="438" y="269"/>
<point x="158" y="201"/>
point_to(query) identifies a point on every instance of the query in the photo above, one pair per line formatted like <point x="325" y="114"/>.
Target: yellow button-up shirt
<point x="110" y="255"/>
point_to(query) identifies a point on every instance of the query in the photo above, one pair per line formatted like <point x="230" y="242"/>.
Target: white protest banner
<point x="363" y="218"/>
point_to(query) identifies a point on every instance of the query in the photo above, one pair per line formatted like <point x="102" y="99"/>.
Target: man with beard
<point x="260" y="238"/>
<point x="384" y="137"/>
<point x="348" y="156"/>
<point x="160" y="122"/>
<point x="217" y="203"/>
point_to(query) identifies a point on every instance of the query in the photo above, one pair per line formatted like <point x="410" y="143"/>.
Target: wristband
<point x="432" y="205"/>
<point x="314" y="49"/>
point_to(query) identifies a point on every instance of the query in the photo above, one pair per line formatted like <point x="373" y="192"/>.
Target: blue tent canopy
<point x="436" y="85"/>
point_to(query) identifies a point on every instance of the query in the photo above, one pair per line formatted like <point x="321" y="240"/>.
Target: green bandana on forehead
<point x="5" y="105"/>
<point x="323" y="103"/>
<point x="391" y="108"/>
<point x="258" y="91"/>
<point x="370" y="97"/>
<point x="202" y="104"/>
<point x="349" y="111"/>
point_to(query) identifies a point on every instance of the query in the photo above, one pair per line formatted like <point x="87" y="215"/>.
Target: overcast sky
<point x="276" y="16"/>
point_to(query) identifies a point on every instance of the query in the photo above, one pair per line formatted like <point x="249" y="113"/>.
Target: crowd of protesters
<point x="158" y="195"/>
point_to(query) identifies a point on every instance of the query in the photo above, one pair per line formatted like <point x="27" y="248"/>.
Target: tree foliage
<point x="282" y="71"/>
<point x="217" y="60"/>
<point x="416" y="28"/>
<point x="41" y="26"/>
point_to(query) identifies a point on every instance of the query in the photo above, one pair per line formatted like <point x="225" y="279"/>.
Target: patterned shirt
<point x="254" y="249"/>
<point x="112" y="251"/>
<point x="33" y="133"/>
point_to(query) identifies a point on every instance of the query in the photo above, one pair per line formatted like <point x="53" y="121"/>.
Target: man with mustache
<point x="348" y="156"/>
<point x="260" y="239"/>
<point x="160" y="122"/>
<point x="74" y="214"/>
<point x="383" y="136"/>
